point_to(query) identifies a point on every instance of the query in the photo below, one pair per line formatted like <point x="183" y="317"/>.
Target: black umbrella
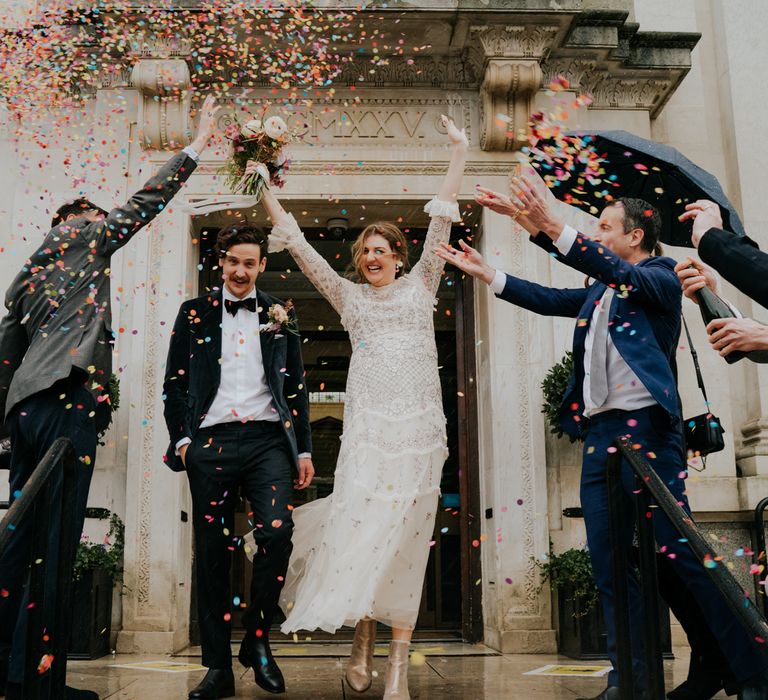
<point x="590" y="169"/>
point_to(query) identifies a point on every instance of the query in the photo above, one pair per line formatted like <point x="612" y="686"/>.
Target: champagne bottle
<point x="712" y="307"/>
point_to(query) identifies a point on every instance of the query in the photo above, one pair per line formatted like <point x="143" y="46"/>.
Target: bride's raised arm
<point x="443" y="209"/>
<point x="286" y="234"/>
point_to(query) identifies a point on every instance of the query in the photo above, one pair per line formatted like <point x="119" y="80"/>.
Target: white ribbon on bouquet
<point x="220" y="202"/>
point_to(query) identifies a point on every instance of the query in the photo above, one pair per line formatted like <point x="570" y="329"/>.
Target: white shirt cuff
<point x="192" y="153"/>
<point x="305" y="455"/>
<point x="181" y="443"/>
<point x="566" y="240"/>
<point x="732" y="307"/>
<point x="499" y="282"/>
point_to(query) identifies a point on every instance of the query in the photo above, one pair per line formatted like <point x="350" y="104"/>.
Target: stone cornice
<point x="505" y="56"/>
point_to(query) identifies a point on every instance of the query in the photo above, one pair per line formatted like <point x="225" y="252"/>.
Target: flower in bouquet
<point x="263" y="141"/>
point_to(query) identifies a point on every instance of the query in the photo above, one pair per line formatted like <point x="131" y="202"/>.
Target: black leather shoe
<point x="610" y="693"/>
<point x="217" y="683"/>
<point x="256" y="654"/>
<point x="696" y="688"/>
<point x="755" y="688"/>
<point x="13" y="692"/>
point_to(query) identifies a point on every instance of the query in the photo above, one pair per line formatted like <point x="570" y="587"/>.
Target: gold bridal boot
<point x="396" y="685"/>
<point x="360" y="666"/>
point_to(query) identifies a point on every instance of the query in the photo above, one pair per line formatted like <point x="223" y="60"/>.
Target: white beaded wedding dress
<point x="362" y="551"/>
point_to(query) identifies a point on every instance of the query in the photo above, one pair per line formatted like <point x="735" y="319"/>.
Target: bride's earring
<point x="360" y="666"/>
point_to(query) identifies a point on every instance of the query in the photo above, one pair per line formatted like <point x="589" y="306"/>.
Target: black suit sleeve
<point x="739" y="260"/>
<point x="176" y="384"/>
<point x="295" y="391"/>
<point x="14" y="343"/>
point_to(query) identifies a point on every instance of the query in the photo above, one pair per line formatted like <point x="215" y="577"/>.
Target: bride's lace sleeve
<point x="430" y="267"/>
<point x="287" y="234"/>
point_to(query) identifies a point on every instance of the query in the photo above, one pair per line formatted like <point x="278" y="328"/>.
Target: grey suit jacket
<point x="59" y="316"/>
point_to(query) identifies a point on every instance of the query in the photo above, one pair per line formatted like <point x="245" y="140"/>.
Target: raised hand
<point x="207" y="125"/>
<point x="457" y="138"/>
<point x="467" y="260"/>
<point x="695" y="275"/>
<point x="705" y="215"/>
<point x="495" y="201"/>
<point x="253" y="167"/>
<point x="534" y="212"/>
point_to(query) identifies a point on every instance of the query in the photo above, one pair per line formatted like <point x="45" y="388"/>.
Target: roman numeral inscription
<point x="370" y="124"/>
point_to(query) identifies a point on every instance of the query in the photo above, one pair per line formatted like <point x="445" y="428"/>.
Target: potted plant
<point x="97" y="568"/>
<point x="580" y="617"/>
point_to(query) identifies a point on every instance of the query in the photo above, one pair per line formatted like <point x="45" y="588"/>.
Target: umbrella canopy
<point x="591" y="169"/>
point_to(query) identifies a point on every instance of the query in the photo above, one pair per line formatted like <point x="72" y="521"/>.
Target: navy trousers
<point x="64" y="410"/>
<point x="662" y="446"/>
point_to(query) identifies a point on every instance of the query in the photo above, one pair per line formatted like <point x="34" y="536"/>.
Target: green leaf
<point x="554" y="385"/>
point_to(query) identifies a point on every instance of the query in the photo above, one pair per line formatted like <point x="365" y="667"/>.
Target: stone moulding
<point x="505" y="56"/>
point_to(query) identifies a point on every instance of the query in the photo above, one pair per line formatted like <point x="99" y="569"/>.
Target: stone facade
<point x="380" y="141"/>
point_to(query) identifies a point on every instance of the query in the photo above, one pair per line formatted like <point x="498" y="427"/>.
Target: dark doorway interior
<point x="451" y="573"/>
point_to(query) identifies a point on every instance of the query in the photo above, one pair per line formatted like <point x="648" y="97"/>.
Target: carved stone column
<point x="507" y="90"/>
<point x="165" y="88"/>
<point x="511" y="59"/>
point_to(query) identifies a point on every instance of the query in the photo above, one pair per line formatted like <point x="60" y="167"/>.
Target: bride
<point x="360" y="554"/>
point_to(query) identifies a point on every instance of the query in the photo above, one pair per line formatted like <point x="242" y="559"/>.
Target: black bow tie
<point x="232" y="306"/>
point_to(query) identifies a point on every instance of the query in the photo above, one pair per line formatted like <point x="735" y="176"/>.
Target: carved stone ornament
<point x="507" y="92"/>
<point x="515" y="41"/>
<point x="511" y="77"/>
<point x="165" y="88"/>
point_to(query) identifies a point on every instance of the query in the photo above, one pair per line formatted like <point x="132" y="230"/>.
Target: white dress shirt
<point x="625" y="390"/>
<point x="243" y="394"/>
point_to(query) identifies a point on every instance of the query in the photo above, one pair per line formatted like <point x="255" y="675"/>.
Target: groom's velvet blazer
<point x="644" y="321"/>
<point x="193" y="373"/>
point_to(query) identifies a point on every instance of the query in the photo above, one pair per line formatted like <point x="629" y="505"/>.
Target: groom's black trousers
<point x="222" y="462"/>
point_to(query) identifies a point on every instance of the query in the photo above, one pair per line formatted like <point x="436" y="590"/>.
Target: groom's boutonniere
<point x="280" y="319"/>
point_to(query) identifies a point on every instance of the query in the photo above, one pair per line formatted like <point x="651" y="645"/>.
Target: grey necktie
<point x="598" y="368"/>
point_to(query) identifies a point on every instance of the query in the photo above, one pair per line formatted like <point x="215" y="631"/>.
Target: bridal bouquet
<point x="263" y="142"/>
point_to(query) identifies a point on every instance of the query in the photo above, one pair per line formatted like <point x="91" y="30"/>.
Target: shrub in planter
<point x="97" y="568"/>
<point x="580" y="617"/>
<point x="581" y="625"/>
<point x="553" y="388"/>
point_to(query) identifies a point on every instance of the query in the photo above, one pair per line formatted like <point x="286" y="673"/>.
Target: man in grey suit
<point x="55" y="365"/>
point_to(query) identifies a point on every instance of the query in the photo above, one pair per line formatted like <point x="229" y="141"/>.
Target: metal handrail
<point x="650" y="488"/>
<point x="36" y="503"/>
<point x="761" y="553"/>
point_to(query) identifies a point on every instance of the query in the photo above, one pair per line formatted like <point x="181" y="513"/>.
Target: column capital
<point x="164" y="85"/>
<point x="511" y="57"/>
<point x="507" y="91"/>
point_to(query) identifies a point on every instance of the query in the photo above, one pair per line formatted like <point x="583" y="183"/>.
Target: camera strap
<point x="699" y="376"/>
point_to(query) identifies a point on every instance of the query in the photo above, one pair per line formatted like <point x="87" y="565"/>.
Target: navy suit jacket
<point x="644" y="320"/>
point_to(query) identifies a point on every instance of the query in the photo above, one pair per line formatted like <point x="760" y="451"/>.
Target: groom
<point x="237" y="411"/>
